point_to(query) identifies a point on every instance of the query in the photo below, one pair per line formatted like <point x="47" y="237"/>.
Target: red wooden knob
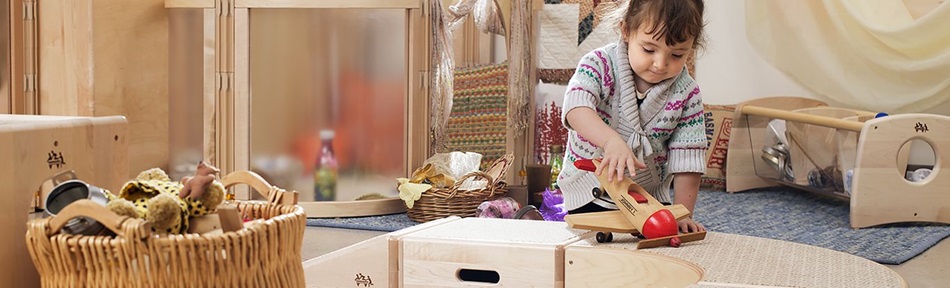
<point x="675" y="242"/>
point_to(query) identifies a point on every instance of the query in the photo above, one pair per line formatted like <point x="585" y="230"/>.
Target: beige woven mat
<point x="742" y="261"/>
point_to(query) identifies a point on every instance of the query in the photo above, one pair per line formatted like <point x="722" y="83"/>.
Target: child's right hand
<point x="617" y="158"/>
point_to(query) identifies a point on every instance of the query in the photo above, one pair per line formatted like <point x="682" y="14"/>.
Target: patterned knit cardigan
<point x="671" y="138"/>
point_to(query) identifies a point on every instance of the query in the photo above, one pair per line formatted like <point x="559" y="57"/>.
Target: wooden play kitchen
<point x="855" y="155"/>
<point x="480" y="252"/>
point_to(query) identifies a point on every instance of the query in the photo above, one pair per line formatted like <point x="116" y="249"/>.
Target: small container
<point x="325" y="172"/>
<point x="68" y="192"/>
<point x="556" y="161"/>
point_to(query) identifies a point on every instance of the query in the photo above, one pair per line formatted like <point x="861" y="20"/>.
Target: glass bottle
<point x="556" y="160"/>
<point x="325" y="170"/>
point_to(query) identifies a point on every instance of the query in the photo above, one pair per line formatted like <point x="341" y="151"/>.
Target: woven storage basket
<point x="437" y="203"/>
<point x="266" y="254"/>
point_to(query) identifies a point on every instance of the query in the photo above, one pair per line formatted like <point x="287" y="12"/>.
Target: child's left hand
<point x="688" y="225"/>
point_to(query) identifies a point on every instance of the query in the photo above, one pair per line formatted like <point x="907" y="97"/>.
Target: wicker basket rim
<point x="140" y="223"/>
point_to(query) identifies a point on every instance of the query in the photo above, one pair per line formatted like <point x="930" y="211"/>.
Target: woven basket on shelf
<point x="437" y="203"/>
<point x="265" y="254"/>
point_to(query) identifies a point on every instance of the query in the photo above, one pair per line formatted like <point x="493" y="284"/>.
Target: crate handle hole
<point x="917" y="160"/>
<point x="480" y="276"/>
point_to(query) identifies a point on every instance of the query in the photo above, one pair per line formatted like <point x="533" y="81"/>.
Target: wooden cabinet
<point x="93" y="58"/>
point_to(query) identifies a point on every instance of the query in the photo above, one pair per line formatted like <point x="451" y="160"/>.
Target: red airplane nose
<point x="661" y="224"/>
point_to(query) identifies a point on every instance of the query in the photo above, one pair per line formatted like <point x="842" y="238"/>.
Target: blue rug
<point x="797" y="216"/>
<point x="776" y="213"/>
<point x="386" y="223"/>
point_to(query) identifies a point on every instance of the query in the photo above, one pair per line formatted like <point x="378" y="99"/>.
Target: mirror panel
<point x="342" y="70"/>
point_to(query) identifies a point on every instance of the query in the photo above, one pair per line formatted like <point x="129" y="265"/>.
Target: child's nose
<point x="660" y="63"/>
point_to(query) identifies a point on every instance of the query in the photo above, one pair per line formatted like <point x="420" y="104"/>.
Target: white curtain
<point x="873" y="54"/>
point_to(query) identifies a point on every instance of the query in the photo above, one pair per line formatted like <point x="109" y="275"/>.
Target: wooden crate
<point x="520" y="253"/>
<point x="841" y="140"/>
<point x="371" y="263"/>
<point x="37" y="147"/>
<point x="480" y="251"/>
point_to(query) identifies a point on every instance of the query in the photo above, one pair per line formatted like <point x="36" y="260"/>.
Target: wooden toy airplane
<point x="639" y="214"/>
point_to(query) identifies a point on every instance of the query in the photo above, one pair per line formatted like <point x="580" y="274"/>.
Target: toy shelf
<point x="843" y="153"/>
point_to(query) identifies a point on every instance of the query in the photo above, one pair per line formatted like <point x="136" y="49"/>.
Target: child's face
<point x="652" y="60"/>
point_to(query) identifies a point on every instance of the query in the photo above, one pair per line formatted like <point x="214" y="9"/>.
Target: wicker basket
<point x="266" y="254"/>
<point x="440" y="203"/>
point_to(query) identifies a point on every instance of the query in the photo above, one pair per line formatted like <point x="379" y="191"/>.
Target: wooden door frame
<point x="22" y="57"/>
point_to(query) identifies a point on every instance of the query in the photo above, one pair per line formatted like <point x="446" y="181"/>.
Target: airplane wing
<point x="607" y="221"/>
<point x="613" y="221"/>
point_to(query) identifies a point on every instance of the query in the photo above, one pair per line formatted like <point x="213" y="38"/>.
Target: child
<point x="633" y="102"/>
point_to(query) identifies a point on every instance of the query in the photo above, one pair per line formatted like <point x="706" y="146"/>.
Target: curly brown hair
<point x="677" y="20"/>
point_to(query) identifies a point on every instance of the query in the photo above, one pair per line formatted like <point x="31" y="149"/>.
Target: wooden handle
<point x="499" y="168"/>
<point x="273" y="194"/>
<point x="473" y="175"/>
<point x="63" y="176"/>
<point x="803" y="118"/>
<point x="95" y="211"/>
<point x="493" y="175"/>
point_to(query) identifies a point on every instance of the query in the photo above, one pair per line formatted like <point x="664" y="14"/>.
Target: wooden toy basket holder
<point x="834" y="144"/>
<point x="437" y="203"/>
<point x="263" y="254"/>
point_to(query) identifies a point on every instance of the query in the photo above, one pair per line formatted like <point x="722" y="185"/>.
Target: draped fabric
<point x="872" y="54"/>
<point x="520" y="61"/>
<point x="485" y="12"/>
<point x="442" y="65"/>
<point x="443" y="21"/>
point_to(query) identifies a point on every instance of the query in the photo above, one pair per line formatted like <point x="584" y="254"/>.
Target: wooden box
<point x="34" y="148"/>
<point x="487" y="251"/>
<point x="452" y="252"/>
<point x="371" y="263"/>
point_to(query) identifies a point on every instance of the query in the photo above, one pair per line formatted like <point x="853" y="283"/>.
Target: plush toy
<point x="168" y="205"/>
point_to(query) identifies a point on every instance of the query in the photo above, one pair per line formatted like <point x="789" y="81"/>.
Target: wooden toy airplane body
<point x="638" y="213"/>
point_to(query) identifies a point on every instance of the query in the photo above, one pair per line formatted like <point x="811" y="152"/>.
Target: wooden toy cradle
<point x="871" y="146"/>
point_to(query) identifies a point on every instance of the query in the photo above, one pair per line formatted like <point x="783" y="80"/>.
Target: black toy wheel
<point x="603" y="237"/>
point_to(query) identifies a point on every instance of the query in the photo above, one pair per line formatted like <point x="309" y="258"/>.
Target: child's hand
<point x="617" y="158"/>
<point x="688" y="225"/>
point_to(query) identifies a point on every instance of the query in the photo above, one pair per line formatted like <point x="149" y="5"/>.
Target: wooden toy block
<point x="230" y="217"/>
<point x="205" y="224"/>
